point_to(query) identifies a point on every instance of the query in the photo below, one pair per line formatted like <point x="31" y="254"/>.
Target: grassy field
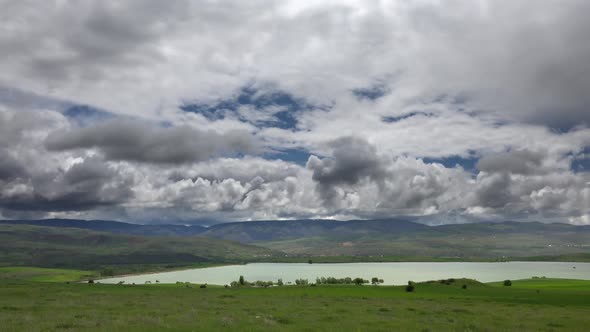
<point x="42" y="274"/>
<point x="528" y="305"/>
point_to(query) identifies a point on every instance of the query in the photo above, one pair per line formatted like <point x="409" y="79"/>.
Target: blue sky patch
<point x="84" y="115"/>
<point x="259" y="101"/>
<point x="298" y="156"/>
<point x="581" y="162"/>
<point x="371" y="93"/>
<point x="468" y="164"/>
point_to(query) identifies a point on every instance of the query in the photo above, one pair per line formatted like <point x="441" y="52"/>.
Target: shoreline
<point x="164" y="271"/>
<point x="147" y="274"/>
<point x="331" y="262"/>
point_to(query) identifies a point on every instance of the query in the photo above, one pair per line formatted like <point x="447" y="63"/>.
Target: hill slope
<point x="408" y="240"/>
<point x="397" y="239"/>
<point x="24" y="245"/>
<point x="270" y="230"/>
<point x="114" y="227"/>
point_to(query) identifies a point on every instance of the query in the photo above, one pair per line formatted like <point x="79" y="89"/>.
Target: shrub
<point x="203" y="286"/>
<point x="280" y="282"/>
<point x="107" y="272"/>
<point x="507" y="283"/>
<point x="360" y="281"/>
<point x="410" y="288"/>
<point x="242" y="281"/>
<point x="90" y="281"/>
<point x="464" y="286"/>
<point x="301" y="282"/>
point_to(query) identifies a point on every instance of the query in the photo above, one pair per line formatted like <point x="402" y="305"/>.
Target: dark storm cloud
<point x="352" y="160"/>
<point x="515" y="162"/>
<point x="128" y="140"/>
<point x="494" y="191"/>
<point x="84" y="186"/>
<point x="10" y="168"/>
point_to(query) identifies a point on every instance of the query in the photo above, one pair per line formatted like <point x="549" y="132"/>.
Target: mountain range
<point x="387" y="238"/>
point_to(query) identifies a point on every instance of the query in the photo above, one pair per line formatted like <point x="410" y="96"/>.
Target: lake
<point x="391" y="273"/>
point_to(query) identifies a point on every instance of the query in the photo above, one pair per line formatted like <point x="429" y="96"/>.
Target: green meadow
<point x="42" y="300"/>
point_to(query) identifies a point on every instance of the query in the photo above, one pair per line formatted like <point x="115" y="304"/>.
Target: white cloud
<point x="504" y="82"/>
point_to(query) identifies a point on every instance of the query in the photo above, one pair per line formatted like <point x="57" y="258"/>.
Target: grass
<point x="44" y="274"/>
<point x="528" y="305"/>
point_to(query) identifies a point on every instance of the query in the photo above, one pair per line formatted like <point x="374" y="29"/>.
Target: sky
<point x="198" y="112"/>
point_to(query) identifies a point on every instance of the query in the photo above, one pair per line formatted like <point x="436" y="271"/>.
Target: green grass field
<point x="528" y="305"/>
<point x="44" y="274"/>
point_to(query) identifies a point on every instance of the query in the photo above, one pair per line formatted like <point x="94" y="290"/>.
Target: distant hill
<point x="114" y="227"/>
<point x="388" y="238"/>
<point x="402" y="239"/>
<point x="61" y="247"/>
<point x="271" y="230"/>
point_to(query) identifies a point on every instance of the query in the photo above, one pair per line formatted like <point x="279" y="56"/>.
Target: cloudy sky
<point x="203" y="111"/>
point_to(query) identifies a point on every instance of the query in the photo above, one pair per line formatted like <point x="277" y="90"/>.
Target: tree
<point x="280" y="282"/>
<point x="301" y="282"/>
<point x="309" y="261"/>
<point x="410" y="287"/>
<point x="507" y="283"/>
<point x="242" y="282"/>
<point x="360" y="281"/>
<point x="107" y="272"/>
<point x="376" y="281"/>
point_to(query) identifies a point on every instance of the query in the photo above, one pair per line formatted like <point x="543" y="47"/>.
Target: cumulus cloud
<point x="389" y="88"/>
<point x="33" y="180"/>
<point x="352" y="160"/>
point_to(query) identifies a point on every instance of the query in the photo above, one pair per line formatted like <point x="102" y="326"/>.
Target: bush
<point x="464" y="286"/>
<point x="360" y="281"/>
<point x="376" y="281"/>
<point x="203" y="286"/>
<point x="280" y="282"/>
<point x="107" y="272"/>
<point x="507" y="283"/>
<point x="410" y="288"/>
<point x="260" y="283"/>
<point x="301" y="282"/>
